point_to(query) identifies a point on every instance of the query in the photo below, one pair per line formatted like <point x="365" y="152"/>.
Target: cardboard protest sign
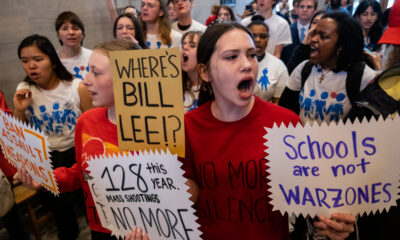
<point x="144" y="190"/>
<point x="350" y="168"/>
<point x="149" y="99"/>
<point x="23" y="145"/>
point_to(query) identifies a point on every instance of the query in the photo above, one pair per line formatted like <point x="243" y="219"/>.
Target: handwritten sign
<point x="23" y="145"/>
<point x="350" y="168"/>
<point x="149" y="99"/>
<point x="145" y="190"/>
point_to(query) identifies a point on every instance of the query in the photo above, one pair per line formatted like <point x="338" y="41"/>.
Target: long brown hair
<point x="187" y="83"/>
<point x="164" y="29"/>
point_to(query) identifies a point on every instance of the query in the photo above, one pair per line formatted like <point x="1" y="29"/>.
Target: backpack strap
<point x="353" y="80"/>
<point x="305" y="72"/>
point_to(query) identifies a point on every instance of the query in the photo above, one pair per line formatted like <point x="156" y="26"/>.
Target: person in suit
<point x="298" y="30"/>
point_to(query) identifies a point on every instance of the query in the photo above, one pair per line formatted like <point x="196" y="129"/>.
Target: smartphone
<point x="369" y="51"/>
<point x="249" y="7"/>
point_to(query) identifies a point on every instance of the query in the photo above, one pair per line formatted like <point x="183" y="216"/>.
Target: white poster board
<point x="24" y="146"/>
<point x="144" y="190"/>
<point x="319" y="170"/>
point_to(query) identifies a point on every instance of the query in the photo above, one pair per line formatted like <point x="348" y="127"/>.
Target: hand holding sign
<point x="22" y="176"/>
<point x="137" y="234"/>
<point x="145" y="190"/>
<point x="339" y="226"/>
<point x="349" y="168"/>
<point x="24" y="146"/>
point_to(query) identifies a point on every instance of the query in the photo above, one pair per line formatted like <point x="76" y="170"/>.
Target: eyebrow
<point x="237" y="50"/>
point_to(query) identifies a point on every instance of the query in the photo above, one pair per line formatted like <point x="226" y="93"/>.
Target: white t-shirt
<point x="324" y="100"/>
<point x="55" y="112"/>
<point x="190" y="99"/>
<point x="154" y="42"/>
<point x="78" y="65"/>
<point x="279" y="31"/>
<point x="272" y="77"/>
<point x="195" y="26"/>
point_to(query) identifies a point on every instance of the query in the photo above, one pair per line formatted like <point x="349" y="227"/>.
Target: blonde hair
<point x="115" y="45"/>
<point x="164" y="28"/>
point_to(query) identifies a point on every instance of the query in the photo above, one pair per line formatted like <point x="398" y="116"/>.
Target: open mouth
<point x="93" y="93"/>
<point x="33" y="75"/>
<point x="313" y="52"/>
<point x="185" y="58"/>
<point x="245" y="88"/>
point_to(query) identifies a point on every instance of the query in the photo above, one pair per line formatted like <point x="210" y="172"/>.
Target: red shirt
<point x="5" y="166"/>
<point x="228" y="162"/>
<point x="95" y="135"/>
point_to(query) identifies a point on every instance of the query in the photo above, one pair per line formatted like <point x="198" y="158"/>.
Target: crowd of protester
<point x="270" y="64"/>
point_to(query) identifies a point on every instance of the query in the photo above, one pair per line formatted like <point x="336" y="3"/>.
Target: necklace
<point x="323" y="72"/>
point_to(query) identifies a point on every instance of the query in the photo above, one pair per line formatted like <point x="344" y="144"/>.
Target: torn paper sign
<point x="144" y="190"/>
<point x="349" y="168"/>
<point x="23" y="145"/>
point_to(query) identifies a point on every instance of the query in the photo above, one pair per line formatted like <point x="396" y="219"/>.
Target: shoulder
<point x="86" y="52"/>
<point x="274" y="112"/>
<point x="200" y="112"/>
<point x="175" y="34"/>
<point x="246" y="21"/>
<point x="93" y="116"/>
<point x="274" y="60"/>
<point x="198" y="26"/>
<point x="368" y="75"/>
<point x="277" y="20"/>
<point x="294" y="82"/>
<point x="278" y="65"/>
<point x="299" y="68"/>
<point x="174" y="26"/>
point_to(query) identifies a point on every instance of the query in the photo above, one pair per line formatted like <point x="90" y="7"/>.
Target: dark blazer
<point x="288" y="50"/>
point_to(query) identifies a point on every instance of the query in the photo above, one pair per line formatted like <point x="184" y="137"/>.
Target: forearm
<point x="68" y="179"/>
<point x="20" y="115"/>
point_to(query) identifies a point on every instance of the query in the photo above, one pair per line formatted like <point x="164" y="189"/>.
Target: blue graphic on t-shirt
<point x="158" y="44"/>
<point x="337" y="108"/>
<point x="148" y="44"/>
<point x="77" y="75"/>
<point x="307" y="103"/>
<point x="320" y="106"/>
<point x="194" y="106"/>
<point x="264" y="81"/>
<point x="79" y="70"/>
<point x="52" y="121"/>
<point x="316" y="106"/>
